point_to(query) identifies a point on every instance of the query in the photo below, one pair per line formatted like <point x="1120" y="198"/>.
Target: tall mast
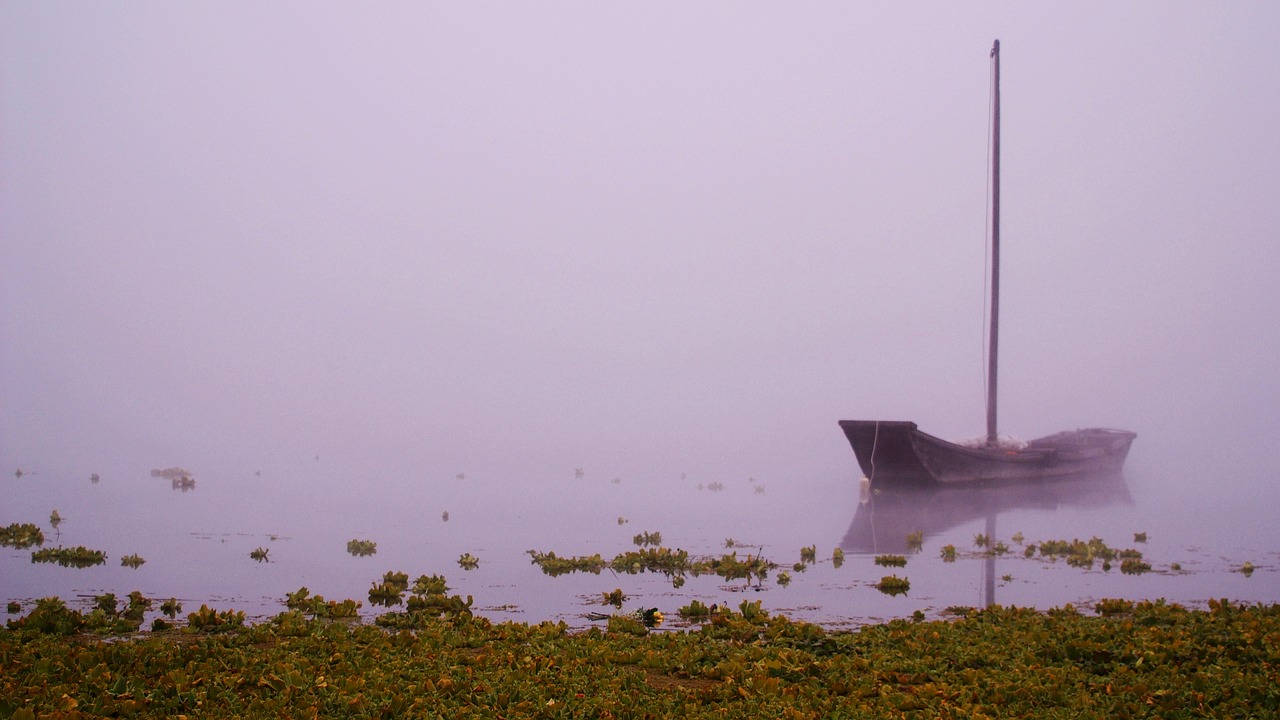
<point x="995" y="245"/>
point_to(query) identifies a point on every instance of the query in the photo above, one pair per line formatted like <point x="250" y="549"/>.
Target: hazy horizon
<point x="644" y="241"/>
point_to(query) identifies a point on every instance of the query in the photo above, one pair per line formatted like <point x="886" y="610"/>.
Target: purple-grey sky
<point x="638" y="238"/>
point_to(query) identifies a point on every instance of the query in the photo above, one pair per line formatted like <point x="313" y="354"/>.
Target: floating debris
<point x="445" y="516"/>
<point x="94" y="478"/>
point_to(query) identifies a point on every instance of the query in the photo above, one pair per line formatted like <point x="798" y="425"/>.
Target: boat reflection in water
<point x="886" y="517"/>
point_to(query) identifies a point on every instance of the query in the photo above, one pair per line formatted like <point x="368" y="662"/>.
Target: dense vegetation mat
<point x="1129" y="661"/>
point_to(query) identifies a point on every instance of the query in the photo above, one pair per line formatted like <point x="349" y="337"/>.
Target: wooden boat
<point x="896" y="453"/>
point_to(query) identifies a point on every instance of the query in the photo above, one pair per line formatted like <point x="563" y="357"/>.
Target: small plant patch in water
<point x="55" y="519"/>
<point x="695" y="611"/>
<point x="915" y="541"/>
<point x="14" y="607"/>
<point x="468" y="561"/>
<point x="21" y="536"/>
<point x="1139" y="537"/>
<point x="171" y="607"/>
<point x="981" y="540"/>
<point x="948" y="553"/>
<point x="891" y="560"/>
<point x="259" y="554"/>
<point x="615" y="598"/>
<point x="647" y="538"/>
<point x="79" y="556"/>
<point x="1246" y="569"/>
<point x="362" y="548"/>
<point x="809" y="554"/>
<point x="837" y="557"/>
<point x="1132" y="566"/>
<point x="1017" y="538"/>
<point x="132" y="561"/>
<point x="212" y="621"/>
<point x="893" y="585"/>
<point x="784" y="578"/>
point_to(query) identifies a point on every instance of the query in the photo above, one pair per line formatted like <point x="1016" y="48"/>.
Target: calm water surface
<point x="197" y="543"/>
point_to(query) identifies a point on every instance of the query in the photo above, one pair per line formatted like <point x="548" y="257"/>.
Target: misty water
<point x="197" y="541"/>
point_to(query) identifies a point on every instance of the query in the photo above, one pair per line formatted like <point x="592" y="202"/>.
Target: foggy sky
<point x="644" y="239"/>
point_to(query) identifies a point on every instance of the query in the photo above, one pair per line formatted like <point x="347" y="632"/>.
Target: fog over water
<point x="349" y="253"/>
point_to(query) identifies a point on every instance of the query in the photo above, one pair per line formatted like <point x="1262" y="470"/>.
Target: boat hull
<point x="895" y="453"/>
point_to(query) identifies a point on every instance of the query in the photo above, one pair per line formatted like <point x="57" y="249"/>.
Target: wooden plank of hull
<point x="894" y="453"/>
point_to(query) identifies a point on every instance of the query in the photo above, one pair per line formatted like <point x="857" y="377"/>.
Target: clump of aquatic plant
<point x="837" y="557"/>
<point x="94" y="478"/>
<point x="317" y="606"/>
<point x="171" y="473"/>
<point x="55" y="519"/>
<point x="1131" y="566"/>
<point x="1082" y="554"/>
<point x="661" y="559"/>
<point x="615" y="597"/>
<point x="444" y="516"/>
<point x="998" y="548"/>
<point x="891" y="560"/>
<point x="209" y="620"/>
<point x="1017" y="538"/>
<point x="759" y="489"/>
<point x="893" y="585"/>
<point x="1139" y="537"/>
<point x="259" y="554"/>
<point x="1029" y="550"/>
<point x="730" y="543"/>
<point x="622" y="520"/>
<point x="553" y="565"/>
<point x="396" y="579"/>
<point x="21" y="536"/>
<point x="1108" y="607"/>
<point x="183" y="483"/>
<point x="79" y="556"/>
<point x="695" y="611"/>
<point x="784" y="578"/>
<point x="915" y="541"/>
<point x="362" y="548"/>
<point x="731" y="567"/>
<point x="432" y="585"/>
<point x="648" y="538"/>
<point x="809" y="554"/>
<point x="14" y="607"/>
<point x="50" y="616"/>
<point x="949" y="553"/>
<point x="132" y="561"/>
<point x="626" y="625"/>
<point x="386" y="594"/>
<point x="981" y="540"/>
<point x="1246" y="569"/>
<point x="171" y="607"/>
<point x="468" y="561"/>
<point x="1176" y="567"/>
<point x="715" y="486"/>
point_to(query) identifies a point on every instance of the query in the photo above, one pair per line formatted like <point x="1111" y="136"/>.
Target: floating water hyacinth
<point x="259" y="554"/>
<point x="55" y="519"/>
<point x="78" y="557"/>
<point x="362" y="548"/>
<point x="893" y="585"/>
<point x="21" y="536"/>
<point x="132" y="561"/>
<point x="915" y="541"/>
<point x="647" y="538"/>
<point x="891" y="560"/>
<point x="468" y="561"/>
<point x="615" y="598"/>
<point x="837" y="557"/>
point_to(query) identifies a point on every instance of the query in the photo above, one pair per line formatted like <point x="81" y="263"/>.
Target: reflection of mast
<point x="989" y="565"/>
